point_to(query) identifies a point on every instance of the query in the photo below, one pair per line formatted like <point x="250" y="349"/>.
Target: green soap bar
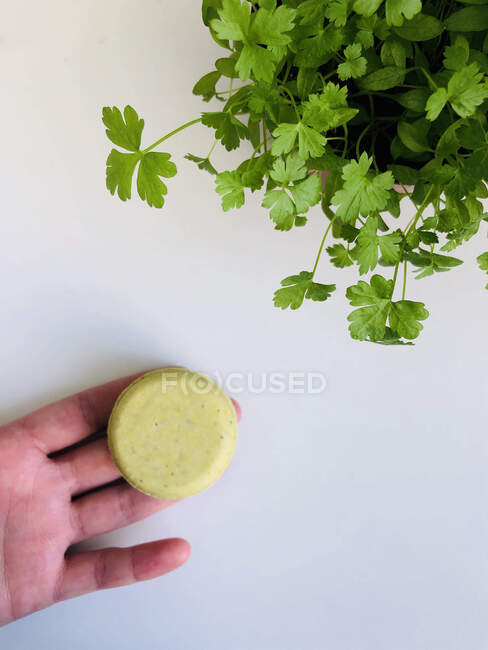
<point x="172" y="433"/>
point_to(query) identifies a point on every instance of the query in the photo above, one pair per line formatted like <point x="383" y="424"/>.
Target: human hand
<point x="39" y="521"/>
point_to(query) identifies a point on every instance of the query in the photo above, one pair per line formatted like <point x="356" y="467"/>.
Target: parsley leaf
<point x="126" y="131"/>
<point x="296" y="288"/>
<point x="264" y="27"/>
<point x="229" y="186"/>
<point x="202" y="163"/>
<point x="149" y="184"/>
<point x="363" y="191"/>
<point x="311" y="144"/>
<point x="483" y="262"/>
<point x="368" y="241"/>
<point x="374" y="299"/>
<point x="398" y="10"/>
<point x="339" y="256"/>
<point x="295" y="196"/>
<point x="354" y="65"/>
<point x="465" y="92"/>
<point x="228" y="129"/>
<point x="328" y="109"/>
<point x="376" y="308"/>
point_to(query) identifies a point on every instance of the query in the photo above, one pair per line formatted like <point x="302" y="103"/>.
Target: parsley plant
<point x="387" y="100"/>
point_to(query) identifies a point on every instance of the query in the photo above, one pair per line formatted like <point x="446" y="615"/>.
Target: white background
<point x="350" y="520"/>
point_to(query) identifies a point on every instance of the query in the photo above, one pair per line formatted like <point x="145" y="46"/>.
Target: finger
<point x="60" y="425"/>
<point x="91" y="465"/>
<point x="117" y="567"/>
<point x="112" y="508"/>
<point x="88" y="467"/>
<point x="238" y="409"/>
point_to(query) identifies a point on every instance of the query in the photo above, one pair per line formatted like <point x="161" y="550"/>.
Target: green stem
<point x="404" y="280"/>
<point x="322" y="245"/>
<point x="361" y="136"/>
<point x="429" y="78"/>
<point x="265" y="139"/>
<point x="287" y="72"/>
<point x="169" y="135"/>
<point x="420" y="211"/>
<point x="211" y="149"/>
<point x="292" y="101"/>
<point x="395" y="275"/>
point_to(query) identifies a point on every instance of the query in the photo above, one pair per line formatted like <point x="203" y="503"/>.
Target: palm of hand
<point x="39" y="521"/>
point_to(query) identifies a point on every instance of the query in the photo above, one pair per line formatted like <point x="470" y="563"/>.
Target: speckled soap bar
<point x="172" y="433"/>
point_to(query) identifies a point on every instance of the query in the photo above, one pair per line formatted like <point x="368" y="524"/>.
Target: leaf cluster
<point x="386" y="99"/>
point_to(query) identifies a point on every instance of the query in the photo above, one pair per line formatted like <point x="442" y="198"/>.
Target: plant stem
<point x="420" y="211"/>
<point x="169" y="135"/>
<point x="292" y="101"/>
<point x="404" y="280"/>
<point x="211" y="149"/>
<point x="322" y="245"/>
<point x="361" y="136"/>
<point x="346" y="141"/>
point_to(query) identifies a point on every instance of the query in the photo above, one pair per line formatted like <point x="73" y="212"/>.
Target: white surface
<point x="350" y="520"/>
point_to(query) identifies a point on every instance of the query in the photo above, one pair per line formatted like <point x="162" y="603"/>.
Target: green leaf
<point x="120" y="169"/>
<point x="483" y="263"/>
<point x="405" y="317"/>
<point x="363" y="192"/>
<point x="414" y="100"/>
<point x="283" y="211"/>
<point x="394" y="52"/>
<point x="455" y="57"/>
<point x="368" y="242"/>
<point x="230" y="188"/>
<point x="264" y="100"/>
<point x="414" y="135"/>
<point x="329" y="161"/>
<point x="310" y="143"/>
<point x="307" y="193"/>
<point x="126" y="131"/>
<point x="285" y="136"/>
<point x="466" y="90"/>
<point x="235" y="20"/>
<point x="436" y="103"/>
<point x="399" y="10"/>
<point x="383" y="79"/>
<point x="289" y="170"/>
<point x="268" y="26"/>
<point x="206" y="85"/>
<point x="339" y="256"/>
<point x="228" y="129"/>
<point x="227" y="67"/>
<point x="404" y="175"/>
<point x="421" y="27"/>
<point x="298" y="287"/>
<point x="254" y="170"/>
<point x="366" y="7"/>
<point x="469" y="19"/>
<point x="376" y="307"/>
<point x="150" y="187"/>
<point x="203" y="163"/>
<point x="374" y="300"/>
<point x="354" y="65"/>
<point x="123" y="131"/>
<point x="329" y="109"/>
<point x="338" y="11"/>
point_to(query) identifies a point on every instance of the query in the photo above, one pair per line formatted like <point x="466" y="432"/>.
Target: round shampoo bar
<point x="172" y="433"/>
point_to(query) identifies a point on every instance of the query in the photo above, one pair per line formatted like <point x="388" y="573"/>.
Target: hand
<point x="39" y="521"/>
